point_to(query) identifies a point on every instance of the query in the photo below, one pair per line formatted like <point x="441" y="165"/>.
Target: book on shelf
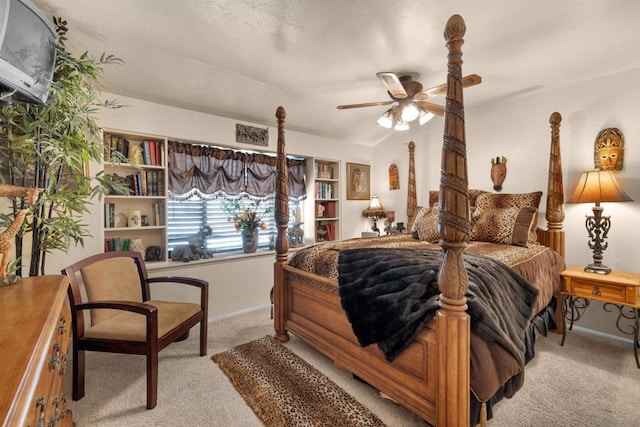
<point x="109" y="215"/>
<point x="146" y="152"/>
<point x="331" y="232"/>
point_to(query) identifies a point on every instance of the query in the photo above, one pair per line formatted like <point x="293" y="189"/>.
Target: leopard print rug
<point x="285" y="391"/>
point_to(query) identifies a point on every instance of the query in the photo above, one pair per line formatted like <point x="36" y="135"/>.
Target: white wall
<point x="240" y="283"/>
<point x="519" y="129"/>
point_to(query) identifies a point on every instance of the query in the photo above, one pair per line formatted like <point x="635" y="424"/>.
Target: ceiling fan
<point x="410" y="99"/>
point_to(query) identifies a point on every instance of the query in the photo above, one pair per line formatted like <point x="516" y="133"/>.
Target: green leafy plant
<point x="50" y="147"/>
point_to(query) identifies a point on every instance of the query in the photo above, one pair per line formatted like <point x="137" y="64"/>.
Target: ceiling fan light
<point x="386" y="121"/>
<point x="425" y="116"/>
<point x="410" y="112"/>
<point x="401" y="125"/>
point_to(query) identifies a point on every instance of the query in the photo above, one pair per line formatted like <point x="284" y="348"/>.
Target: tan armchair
<point x="123" y="317"/>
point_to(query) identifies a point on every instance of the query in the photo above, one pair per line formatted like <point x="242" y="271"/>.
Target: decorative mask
<point x="498" y="172"/>
<point x="609" y="150"/>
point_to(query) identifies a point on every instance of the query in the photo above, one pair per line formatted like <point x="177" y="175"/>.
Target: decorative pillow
<point x="509" y="226"/>
<point x="521" y="200"/>
<point x="473" y="195"/>
<point x="426" y="224"/>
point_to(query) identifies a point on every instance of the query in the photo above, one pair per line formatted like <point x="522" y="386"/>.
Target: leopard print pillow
<point x="509" y="226"/>
<point x="521" y="200"/>
<point x="426" y="224"/>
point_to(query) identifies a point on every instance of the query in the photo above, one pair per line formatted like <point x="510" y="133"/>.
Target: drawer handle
<point x="62" y="328"/>
<point x="54" y="360"/>
<point x="40" y="404"/>
<point x="596" y="291"/>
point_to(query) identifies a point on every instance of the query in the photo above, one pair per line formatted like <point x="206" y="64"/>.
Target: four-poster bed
<point x="432" y="376"/>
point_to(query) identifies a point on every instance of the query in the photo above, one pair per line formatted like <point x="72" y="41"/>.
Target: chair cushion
<point x="129" y="326"/>
<point x="111" y="279"/>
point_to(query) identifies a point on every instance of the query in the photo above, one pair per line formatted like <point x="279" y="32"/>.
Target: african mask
<point x="498" y="172"/>
<point x="609" y="150"/>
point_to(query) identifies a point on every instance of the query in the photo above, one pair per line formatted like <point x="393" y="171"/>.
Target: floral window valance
<point x="209" y="172"/>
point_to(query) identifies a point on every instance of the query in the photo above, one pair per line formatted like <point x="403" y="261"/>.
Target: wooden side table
<point x="617" y="290"/>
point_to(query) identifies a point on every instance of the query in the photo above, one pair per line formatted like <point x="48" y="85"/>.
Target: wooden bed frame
<point x="431" y="377"/>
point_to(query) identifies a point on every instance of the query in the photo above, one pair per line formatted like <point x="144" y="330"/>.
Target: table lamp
<point x="597" y="186"/>
<point x="375" y="211"/>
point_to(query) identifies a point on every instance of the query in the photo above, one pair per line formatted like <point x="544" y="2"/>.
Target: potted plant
<point x="49" y="147"/>
<point x="247" y="219"/>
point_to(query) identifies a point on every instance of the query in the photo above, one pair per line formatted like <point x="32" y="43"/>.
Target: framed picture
<point x="358" y="181"/>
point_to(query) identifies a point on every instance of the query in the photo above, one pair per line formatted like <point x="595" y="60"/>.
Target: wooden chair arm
<point x="136" y="307"/>
<point x="202" y="284"/>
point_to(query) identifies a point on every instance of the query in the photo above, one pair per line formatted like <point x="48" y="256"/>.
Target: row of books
<point x="115" y="143"/>
<point x="152" y="152"/>
<point x="116" y="244"/>
<point x="324" y="171"/>
<point x="324" y="190"/>
<point x="147" y="183"/>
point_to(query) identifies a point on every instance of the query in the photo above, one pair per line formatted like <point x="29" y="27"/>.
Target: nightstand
<point x="618" y="290"/>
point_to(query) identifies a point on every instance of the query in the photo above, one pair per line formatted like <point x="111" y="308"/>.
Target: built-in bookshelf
<point x="326" y="180"/>
<point x="138" y="220"/>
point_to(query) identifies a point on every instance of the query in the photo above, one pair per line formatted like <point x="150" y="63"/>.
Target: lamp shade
<point x="596" y="186"/>
<point x="375" y="209"/>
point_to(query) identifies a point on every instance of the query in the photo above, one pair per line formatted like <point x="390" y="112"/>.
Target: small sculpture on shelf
<point x="196" y="249"/>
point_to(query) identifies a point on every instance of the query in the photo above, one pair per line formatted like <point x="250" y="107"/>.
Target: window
<point x="185" y="217"/>
<point x="202" y="179"/>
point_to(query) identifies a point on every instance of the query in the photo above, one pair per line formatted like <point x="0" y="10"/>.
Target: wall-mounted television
<point x="27" y="51"/>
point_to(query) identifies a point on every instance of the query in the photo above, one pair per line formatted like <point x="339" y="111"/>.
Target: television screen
<point x="27" y="50"/>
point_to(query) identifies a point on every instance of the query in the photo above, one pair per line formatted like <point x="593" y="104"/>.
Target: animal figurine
<point x="498" y="172"/>
<point x="7" y="236"/>
<point x="196" y="249"/>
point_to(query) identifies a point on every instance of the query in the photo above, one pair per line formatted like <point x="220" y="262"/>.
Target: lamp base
<point x="600" y="269"/>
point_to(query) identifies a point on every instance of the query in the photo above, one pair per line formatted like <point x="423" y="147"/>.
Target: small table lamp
<point x="375" y="211"/>
<point x="598" y="186"/>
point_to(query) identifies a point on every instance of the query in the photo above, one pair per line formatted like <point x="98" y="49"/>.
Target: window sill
<point x="217" y="258"/>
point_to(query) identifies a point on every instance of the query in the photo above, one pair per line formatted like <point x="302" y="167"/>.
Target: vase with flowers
<point x="247" y="218"/>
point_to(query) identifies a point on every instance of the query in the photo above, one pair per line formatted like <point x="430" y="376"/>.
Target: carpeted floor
<point x="587" y="382"/>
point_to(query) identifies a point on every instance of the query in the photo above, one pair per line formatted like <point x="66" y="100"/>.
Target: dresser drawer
<point x="606" y="292"/>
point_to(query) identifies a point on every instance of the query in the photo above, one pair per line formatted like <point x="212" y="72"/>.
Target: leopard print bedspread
<point x="538" y="264"/>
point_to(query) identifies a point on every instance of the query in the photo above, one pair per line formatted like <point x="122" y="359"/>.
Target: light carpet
<point x="587" y="382"/>
<point x="285" y="391"/>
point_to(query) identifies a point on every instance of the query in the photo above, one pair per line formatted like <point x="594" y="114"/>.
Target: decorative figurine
<point x="498" y="172"/>
<point x="7" y="236"/>
<point x="608" y="153"/>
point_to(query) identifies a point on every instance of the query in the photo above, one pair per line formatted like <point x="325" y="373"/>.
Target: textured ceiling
<point x="243" y="58"/>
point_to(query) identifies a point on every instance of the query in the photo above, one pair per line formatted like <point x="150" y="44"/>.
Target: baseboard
<point x="603" y="335"/>
<point x="238" y="313"/>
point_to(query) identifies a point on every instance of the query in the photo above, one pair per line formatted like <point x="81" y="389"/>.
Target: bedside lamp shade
<point x="375" y="211"/>
<point x="598" y="186"/>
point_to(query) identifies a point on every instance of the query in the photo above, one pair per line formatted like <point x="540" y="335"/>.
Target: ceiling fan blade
<point x="366" y="104"/>
<point x="470" y="80"/>
<point x="436" y="109"/>
<point x="393" y="84"/>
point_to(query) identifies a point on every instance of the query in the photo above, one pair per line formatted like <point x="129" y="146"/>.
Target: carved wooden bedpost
<point x="453" y="324"/>
<point x="282" y="219"/>
<point x="412" y="198"/>
<point x="555" y="191"/>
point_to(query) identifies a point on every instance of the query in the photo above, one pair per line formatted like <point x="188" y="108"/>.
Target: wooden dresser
<point x="35" y="325"/>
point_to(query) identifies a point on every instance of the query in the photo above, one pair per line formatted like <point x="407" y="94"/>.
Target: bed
<point x="431" y="376"/>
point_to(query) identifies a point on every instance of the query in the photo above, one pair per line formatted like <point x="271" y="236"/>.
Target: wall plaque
<point x="252" y="135"/>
